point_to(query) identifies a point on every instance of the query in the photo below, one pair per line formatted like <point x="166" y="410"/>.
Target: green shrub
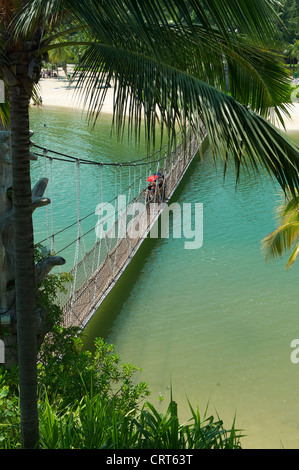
<point x="68" y="372"/>
<point x="9" y="414"/>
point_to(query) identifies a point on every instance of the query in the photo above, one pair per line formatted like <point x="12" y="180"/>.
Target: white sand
<point x="58" y="92"/>
<point x="293" y="123"/>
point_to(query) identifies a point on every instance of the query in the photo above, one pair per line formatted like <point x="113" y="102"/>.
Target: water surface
<point x="215" y="324"/>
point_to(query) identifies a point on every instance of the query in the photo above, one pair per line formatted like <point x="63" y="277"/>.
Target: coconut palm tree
<point x="285" y="238"/>
<point x="175" y="62"/>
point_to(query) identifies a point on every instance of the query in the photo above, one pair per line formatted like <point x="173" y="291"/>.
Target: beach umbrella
<point x="152" y="178"/>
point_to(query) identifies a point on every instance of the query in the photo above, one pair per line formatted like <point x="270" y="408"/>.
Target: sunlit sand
<point x="59" y="92"/>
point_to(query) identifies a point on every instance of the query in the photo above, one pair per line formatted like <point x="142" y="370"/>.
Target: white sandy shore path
<point x="293" y="123"/>
<point x="57" y="92"/>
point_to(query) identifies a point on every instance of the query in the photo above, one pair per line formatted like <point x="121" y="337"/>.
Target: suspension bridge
<point x="116" y="238"/>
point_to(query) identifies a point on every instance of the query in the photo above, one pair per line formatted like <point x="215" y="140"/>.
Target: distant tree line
<point x="288" y="31"/>
<point x="288" y="12"/>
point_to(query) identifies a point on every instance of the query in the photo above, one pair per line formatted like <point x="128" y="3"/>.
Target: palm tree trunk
<point x="24" y="265"/>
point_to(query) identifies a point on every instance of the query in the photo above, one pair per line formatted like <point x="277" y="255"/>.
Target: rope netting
<point x="101" y="252"/>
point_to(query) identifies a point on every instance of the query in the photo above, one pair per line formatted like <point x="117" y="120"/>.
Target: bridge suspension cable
<point x="98" y="264"/>
<point x="71" y="159"/>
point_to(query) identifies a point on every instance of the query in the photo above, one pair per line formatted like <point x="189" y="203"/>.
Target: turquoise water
<point x="215" y="324"/>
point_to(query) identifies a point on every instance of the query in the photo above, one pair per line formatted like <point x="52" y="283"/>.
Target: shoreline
<point x="57" y="92"/>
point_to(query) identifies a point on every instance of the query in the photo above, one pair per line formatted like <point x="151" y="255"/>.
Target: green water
<point x="216" y="323"/>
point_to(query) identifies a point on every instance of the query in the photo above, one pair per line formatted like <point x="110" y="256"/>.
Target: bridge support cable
<point x="46" y="194"/>
<point x="97" y="267"/>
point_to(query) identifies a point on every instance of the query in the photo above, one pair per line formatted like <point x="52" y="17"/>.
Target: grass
<point x="94" y="423"/>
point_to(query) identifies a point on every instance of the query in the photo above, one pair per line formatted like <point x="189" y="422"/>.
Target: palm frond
<point x="145" y="88"/>
<point x="38" y="15"/>
<point x="293" y="257"/>
<point x="4" y="114"/>
<point x="258" y="77"/>
<point x="253" y="18"/>
<point x="286" y="236"/>
<point x="181" y="30"/>
<point x="289" y="211"/>
<point x="280" y="241"/>
<point x="232" y="18"/>
<point x="166" y="60"/>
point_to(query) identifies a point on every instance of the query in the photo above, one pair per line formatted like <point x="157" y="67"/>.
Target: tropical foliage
<point x="158" y="58"/>
<point x="172" y="63"/>
<point x="287" y="32"/>
<point x="100" y="420"/>
<point x="288" y="12"/>
<point x="285" y="238"/>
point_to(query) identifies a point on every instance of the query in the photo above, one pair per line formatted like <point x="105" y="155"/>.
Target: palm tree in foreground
<point x="285" y="238"/>
<point x="172" y="63"/>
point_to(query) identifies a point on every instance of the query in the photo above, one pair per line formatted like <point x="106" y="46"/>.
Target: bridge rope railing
<point x="96" y="269"/>
<point x="145" y="162"/>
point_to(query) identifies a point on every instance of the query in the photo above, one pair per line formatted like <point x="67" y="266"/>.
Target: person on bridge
<point x="151" y="189"/>
<point x="161" y="189"/>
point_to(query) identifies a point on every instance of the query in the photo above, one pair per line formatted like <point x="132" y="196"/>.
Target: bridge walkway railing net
<point x="100" y="268"/>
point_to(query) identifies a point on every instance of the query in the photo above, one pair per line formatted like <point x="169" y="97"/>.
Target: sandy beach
<point x="293" y="123"/>
<point x="58" y="92"/>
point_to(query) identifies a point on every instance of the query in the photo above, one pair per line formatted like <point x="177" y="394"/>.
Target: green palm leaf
<point x="4" y="114"/>
<point x="198" y="30"/>
<point x="293" y="257"/>
<point x="285" y="237"/>
<point x="158" y="54"/>
<point x="144" y="87"/>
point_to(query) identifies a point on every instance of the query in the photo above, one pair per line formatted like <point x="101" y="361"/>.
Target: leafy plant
<point x="102" y="419"/>
<point x="284" y="239"/>
<point x="68" y="372"/>
<point x="9" y="414"/>
<point x="95" y="423"/>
